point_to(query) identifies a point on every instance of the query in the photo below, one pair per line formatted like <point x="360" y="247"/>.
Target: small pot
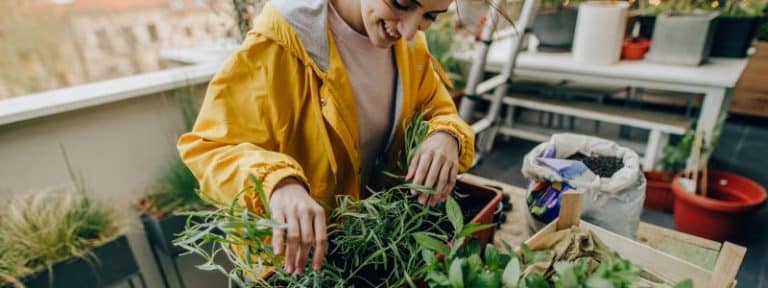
<point x="554" y="27"/>
<point x="487" y="201"/>
<point x="733" y="36"/>
<point x="635" y="49"/>
<point x="725" y="213"/>
<point x="682" y="39"/>
<point x="647" y="23"/>
<point x="162" y="231"/>
<point x="600" y="30"/>
<point x="658" y="191"/>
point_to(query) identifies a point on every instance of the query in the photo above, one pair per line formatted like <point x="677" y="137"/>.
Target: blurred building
<point x="49" y="44"/>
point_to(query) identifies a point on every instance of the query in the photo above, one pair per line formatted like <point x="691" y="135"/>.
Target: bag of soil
<point x="609" y="176"/>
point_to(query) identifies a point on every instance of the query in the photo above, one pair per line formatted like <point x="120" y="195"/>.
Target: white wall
<point x="120" y="148"/>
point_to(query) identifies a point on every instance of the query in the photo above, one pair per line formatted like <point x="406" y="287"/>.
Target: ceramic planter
<point x="733" y="36"/>
<point x="600" y="30"/>
<point x="554" y="27"/>
<point x="683" y="39"/>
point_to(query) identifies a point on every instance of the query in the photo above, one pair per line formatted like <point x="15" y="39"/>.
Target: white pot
<point x="600" y="30"/>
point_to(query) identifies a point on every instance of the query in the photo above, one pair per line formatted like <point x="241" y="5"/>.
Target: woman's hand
<point x="306" y="227"/>
<point x="435" y="165"/>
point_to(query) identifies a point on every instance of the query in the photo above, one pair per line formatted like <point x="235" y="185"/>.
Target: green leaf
<point x="429" y="256"/>
<point x="487" y="279"/>
<point x="595" y="281"/>
<point x="492" y="258"/>
<point x="687" y="283"/>
<point x="511" y="273"/>
<point x="472" y="248"/>
<point x="455" y="275"/>
<point x="454" y="214"/>
<point x="262" y="195"/>
<point x="470" y="229"/>
<point x="534" y="280"/>
<point x="431" y="243"/>
<point x="475" y="263"/>
<point x="566" y="275"/>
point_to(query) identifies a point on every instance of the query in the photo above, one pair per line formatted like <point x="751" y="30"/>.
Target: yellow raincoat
<point x="273" y="110"/>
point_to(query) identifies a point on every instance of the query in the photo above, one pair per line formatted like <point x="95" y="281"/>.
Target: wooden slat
<point x="665" y="122"/>
<point x="727" y="265"/>
<point x="570" y="210"/>
<point x="695" y="250"/>
<point x="667" y="266"/>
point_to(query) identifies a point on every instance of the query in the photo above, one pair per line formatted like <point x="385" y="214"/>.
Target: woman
<point x="316" y="94"/>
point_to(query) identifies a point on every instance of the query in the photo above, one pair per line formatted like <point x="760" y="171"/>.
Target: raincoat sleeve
<point x="241" y="124"/>
<point x="442" y="113"/>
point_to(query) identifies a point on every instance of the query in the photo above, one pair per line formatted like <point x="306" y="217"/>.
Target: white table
<point x="715" y="79"/>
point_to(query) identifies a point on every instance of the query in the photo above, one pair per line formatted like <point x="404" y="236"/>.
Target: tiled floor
<point x="741" y="150"/>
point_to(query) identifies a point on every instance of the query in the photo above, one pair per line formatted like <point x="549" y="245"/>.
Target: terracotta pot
<point x="724" y="213"/>
<point x="658" y="191"/>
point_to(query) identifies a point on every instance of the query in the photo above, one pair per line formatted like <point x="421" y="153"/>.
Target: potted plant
<point x="177" y="191"/>
<point x="61" y="237"/>
<point x="682" y="35"/>
<point x="736" y="27"/>
<point x="721" y="207"/>
<point x="442" y="46"/>
<point x="600" y="30"/>
<point x="658" y="193"/>
<point x="555" y="24"/>
<point x="372" y="240"/>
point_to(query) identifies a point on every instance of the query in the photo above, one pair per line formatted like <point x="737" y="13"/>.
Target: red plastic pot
<point x="725" y="212"/>
<point x="635" y="49"/>
<point x="658" y="191"/>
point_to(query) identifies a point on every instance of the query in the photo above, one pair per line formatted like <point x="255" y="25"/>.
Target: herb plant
<point x="42" y="228"/>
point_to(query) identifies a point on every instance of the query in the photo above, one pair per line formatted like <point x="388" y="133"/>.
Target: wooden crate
<point x="723" y="275"/>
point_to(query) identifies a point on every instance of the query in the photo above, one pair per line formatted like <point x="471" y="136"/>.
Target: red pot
<point x="725" y="213"/>
<point x="635" y="49"/>
<point x="658" y="191"/>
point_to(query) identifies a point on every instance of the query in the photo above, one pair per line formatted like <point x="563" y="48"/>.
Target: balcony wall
<point x="119" y="134"/>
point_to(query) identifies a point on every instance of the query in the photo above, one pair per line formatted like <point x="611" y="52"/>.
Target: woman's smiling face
<point x="386" y="21"/>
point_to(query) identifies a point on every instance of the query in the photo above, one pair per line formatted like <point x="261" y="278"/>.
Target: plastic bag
<point x="614" y="203"/>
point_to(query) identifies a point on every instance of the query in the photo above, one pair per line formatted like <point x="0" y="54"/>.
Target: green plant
<point x="177" y="192"/>
<point x="743" y="8"/>
<point x="177" y="188"/>
<point x="45" y="227"/>
<point x="442" y="46"/>
<point x="371" y="240"/>
<point x="558" y="3"/>
<point x="762" y="32"/>
<point x="675" y="157"/>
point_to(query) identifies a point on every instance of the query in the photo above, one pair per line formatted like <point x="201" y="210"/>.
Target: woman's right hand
<point x="306" y="227"/>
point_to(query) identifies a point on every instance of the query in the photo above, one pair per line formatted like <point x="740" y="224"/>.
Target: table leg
<point x="716" y="102"/>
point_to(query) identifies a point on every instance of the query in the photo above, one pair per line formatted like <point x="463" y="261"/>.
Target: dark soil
<point x="603" y="166"/>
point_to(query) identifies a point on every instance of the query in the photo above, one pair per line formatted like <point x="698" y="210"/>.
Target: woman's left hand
<point x="435" y="165"/>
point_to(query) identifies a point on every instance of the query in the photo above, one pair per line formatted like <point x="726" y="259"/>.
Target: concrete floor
<point x="740" y="150"/>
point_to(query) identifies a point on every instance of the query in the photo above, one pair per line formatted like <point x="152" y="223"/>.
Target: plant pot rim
<point x="720" y="205"/>
<point x="605" y="3"/>
<point x="555" y="9"/>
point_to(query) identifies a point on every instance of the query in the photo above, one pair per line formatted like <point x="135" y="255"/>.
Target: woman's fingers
<point x="442" y="183"/>
<point x="433" y="176"/>
<point x="451" y="182"/>
<point x="294" y="237"/>
<point x="307" y="238"/>
<point x="425" y="160"/>
<point x="321" y="239"/>
<point x="278" y="235"/>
